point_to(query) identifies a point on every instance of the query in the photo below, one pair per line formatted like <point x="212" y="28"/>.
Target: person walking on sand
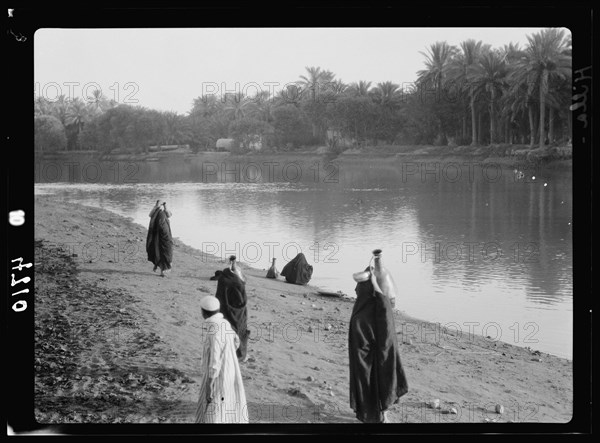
<point x="377" y="379"/>
<point x="222" y="395"/>
<point x="159" y="242"/>
<point x="231" y="293"/>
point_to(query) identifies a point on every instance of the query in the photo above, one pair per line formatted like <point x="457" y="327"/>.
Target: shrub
<point x="291" y="128"/>
<point x="50" y="134"/>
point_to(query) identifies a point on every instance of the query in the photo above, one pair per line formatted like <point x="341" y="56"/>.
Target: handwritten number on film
<point x="17" y="218"/>
<point x="20" y="305"/>
<point x="583" y="96"/>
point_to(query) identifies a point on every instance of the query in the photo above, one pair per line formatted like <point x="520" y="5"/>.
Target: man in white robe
<point x="222" y="396"/>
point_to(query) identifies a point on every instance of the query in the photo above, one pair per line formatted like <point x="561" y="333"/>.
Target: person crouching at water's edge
<point x="222" y="395"/>
<point x="297" y="271"/>
<point x="159" y="243"/>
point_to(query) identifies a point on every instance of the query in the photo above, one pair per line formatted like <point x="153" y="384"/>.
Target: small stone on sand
<point x="434" y="404"/>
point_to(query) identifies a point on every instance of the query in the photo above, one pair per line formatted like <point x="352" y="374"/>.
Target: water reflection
<point x="460" y="251"/>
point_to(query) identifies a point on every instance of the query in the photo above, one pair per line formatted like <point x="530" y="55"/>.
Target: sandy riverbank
<point x="126" y="343"/>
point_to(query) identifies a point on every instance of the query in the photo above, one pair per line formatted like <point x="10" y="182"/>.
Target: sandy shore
<point x="117" y="343"/>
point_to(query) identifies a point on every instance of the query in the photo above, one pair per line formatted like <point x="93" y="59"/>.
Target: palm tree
<point x="559" y="99"/>
<point x="386" y="94"/>
<point x="77" y="114"/>
<point x="490" y="77"/>
<point x="437" y="61"/>
<point x="236" y="105"/>
<point x="334" y="89"/>
<point x="315" y="80"/>
<point x="97" y="102"/>
<point x="291" y="95"/>
<point x="521" y="94"/>
<point x="546" y="58"/>
<point x="41" y="106"/>
<point x="205" y="106"/>
<point x="510" y="54"/>
<point x="461" y="71"/>
<point x="319" y="84"/>
<point x="59" y="108"/>
<point x="262" y="106"/>
<point x="173" y="127"/>
<point x="360" y="89"/>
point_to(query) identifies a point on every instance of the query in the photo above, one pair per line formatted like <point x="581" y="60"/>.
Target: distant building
<point x="335" y="138"/>
<point x="225" y="144"/>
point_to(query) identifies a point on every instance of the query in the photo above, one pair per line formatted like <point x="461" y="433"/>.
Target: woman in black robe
<point x="298" y="271"/>
<point x="231" y="292"/>
<point x="159" y="242"/>
<point x="377" y="379"/>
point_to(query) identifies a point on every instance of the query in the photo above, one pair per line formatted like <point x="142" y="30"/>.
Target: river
<point x="477" y="249"/>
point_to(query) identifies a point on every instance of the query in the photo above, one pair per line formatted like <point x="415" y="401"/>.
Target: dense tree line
<point x="472" y="94"/>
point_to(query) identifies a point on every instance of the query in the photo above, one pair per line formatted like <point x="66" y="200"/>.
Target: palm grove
<point x="472" y="94"/>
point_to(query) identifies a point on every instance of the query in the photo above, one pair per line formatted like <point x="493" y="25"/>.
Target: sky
<point x="165" y="69"/>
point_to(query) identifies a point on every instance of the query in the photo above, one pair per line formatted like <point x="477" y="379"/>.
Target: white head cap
<point x="210" y="303"/>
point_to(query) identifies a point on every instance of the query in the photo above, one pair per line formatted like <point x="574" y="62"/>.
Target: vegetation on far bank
<point x="505" y="154"/>
<point x="467" y="96"/>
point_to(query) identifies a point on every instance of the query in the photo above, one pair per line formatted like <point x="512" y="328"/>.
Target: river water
<point x="477" y="249"/>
